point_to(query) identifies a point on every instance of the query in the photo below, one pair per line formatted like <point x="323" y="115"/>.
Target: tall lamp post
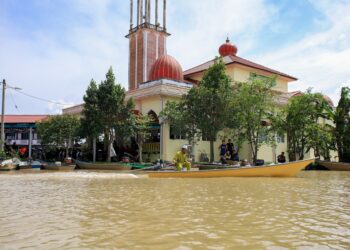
<point x="3" y="113"/>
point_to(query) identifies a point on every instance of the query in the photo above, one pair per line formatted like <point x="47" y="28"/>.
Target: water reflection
<point x="108" y="210"/>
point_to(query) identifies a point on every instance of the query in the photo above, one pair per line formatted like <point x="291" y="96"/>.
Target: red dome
<point x="228" y="49"/>
<point x="166" y="67"/>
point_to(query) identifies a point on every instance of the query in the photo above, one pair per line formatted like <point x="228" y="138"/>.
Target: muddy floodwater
<point x="99" y="210"/>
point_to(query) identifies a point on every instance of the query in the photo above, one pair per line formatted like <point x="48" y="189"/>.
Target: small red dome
<point x="166" y="67"/>
<point x="228" y="49"/>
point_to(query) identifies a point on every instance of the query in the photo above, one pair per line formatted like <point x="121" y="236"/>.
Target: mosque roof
<point x="233" y="59"/>
<point x="166" y="67"/>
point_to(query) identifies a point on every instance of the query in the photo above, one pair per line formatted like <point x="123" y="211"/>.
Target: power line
<point x="41" y="99"/>
<point x="13" y="100"/>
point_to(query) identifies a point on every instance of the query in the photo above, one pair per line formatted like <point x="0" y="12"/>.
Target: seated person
<point x="228" y="155"/>
<point x="223" y="159"/>
<point x="281" y="158"/>
<point x="180" y="160"/>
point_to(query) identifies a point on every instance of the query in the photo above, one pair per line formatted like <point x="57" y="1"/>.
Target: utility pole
<point x="2" y="139"/>
<point x="3" y="116"/>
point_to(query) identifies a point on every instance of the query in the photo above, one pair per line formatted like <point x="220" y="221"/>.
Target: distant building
<point x="18" y="129"/>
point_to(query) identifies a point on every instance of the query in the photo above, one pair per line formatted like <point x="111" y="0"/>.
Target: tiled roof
<point x="23" y="118"/>
<point x="238" y="60"/>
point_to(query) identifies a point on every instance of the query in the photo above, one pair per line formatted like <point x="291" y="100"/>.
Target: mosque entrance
<point x="151" y="148"/>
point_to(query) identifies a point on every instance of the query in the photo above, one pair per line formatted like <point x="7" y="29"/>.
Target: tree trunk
<point x="255" y="158"/>
<point x="67" y="148"/>
<point x="193" y="144"/>
<point x="109" y="152"/>
<point x="211" y="151"/>
<point x="140" y="153"/>
<point x="94" y="150"/>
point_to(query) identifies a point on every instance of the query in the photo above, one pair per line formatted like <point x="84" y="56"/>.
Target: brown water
<point x="84" y="210"/>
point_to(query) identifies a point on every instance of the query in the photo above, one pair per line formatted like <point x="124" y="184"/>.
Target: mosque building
<point x="156" y="77"/>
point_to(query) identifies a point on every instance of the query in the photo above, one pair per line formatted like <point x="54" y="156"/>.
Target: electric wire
<point x="13" y="100"/>
<point x="41" y="99"/>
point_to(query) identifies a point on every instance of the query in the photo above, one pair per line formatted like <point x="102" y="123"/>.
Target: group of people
<point x="228" y="152"/>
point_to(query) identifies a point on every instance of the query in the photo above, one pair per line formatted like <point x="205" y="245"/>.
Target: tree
<point x="179" y="114"/>
<point x="210" y="102"/>
<point x="342" y="122"/>
<point x="300" y="119"/>
<point x="91" y="125"/>
<point x="141" y="129"/>
<point x="59" y="130"/>
<point x="251" y="109"/>
<point x="114" y="111"/>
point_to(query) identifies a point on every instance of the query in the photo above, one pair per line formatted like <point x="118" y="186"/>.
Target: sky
<point x="51" y="49"/>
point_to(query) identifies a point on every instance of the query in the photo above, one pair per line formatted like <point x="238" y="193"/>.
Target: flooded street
<point x="84" y="210"/>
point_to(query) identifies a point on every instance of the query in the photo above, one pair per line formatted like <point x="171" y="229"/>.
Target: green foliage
<point x="180" y="116"/>
<point x="342" y="121"/>
<point x="209" y="102"/>
<point x="106" y="111"/>
<point x="91" y="121"/>
<point x="141" y="131"/>
<point x="302" y="120"/>
<point x="251" y="108"/>
<point x="59" y="131"/>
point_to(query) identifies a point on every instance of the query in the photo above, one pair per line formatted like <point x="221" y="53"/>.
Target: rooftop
<point x="24" y="118"/>
<point x="228" y="60"/>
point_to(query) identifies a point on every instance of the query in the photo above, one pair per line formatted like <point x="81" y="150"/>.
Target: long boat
<point x="335" y="166"/>
<point x="59" y="168"/>
<point x="102" y="166"/>
<point x="280" y="170"/>
<point x="8" y="167"/>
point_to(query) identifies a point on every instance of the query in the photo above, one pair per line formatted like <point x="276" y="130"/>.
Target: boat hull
<point x="8" y="167"/>
<point x="280" y="170"/>
<point x="60" y="168"/>
<point x="335" y="166"/>
<point x="104" y="166"/>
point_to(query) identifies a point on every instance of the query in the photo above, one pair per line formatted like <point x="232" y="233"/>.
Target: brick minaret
<point x="147" y="41"/>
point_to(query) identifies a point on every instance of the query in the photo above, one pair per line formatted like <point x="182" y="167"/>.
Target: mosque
<point x="155" y="77"/>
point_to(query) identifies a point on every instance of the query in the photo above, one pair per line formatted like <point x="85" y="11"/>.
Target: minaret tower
<point x="147" y="40"/>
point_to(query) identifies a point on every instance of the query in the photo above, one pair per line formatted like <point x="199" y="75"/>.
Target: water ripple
<point x="84" y="210"/>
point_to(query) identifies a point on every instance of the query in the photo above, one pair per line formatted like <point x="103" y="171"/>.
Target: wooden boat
<point x="8" y="167"/>
<point x="102" y="166"/>
<point x="212" y="166"/>
<point x="59" y="168"/>
<point x="280" y="170"/>
<point x="335" y="166"/>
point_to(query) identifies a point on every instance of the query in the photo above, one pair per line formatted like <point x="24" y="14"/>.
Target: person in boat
<point x="281" y="158"/>
<point x="230" y="148"/>
<point x="223" y="150"/>
<point x="180" y="160"/>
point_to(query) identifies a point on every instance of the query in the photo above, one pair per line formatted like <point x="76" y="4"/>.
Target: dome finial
<point x="228" y="49"/>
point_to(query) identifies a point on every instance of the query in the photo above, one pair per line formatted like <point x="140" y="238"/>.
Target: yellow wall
<point x="240" y="73"/>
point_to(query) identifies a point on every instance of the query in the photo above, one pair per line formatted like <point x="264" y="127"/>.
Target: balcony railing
<point x="23" y="142"/>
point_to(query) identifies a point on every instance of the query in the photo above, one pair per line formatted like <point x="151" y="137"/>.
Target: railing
<point x="147" y="25"/>
<point x="23" y="142"/>
<point x="151" y="147"/>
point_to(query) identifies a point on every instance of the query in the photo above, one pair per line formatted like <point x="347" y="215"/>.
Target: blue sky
<point x="52" y="48"/>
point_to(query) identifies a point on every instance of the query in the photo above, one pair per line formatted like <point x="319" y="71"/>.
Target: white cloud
<point x="320" y="60"/>
<point x="47" y="67"/>
<point x="207" y="24"/>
